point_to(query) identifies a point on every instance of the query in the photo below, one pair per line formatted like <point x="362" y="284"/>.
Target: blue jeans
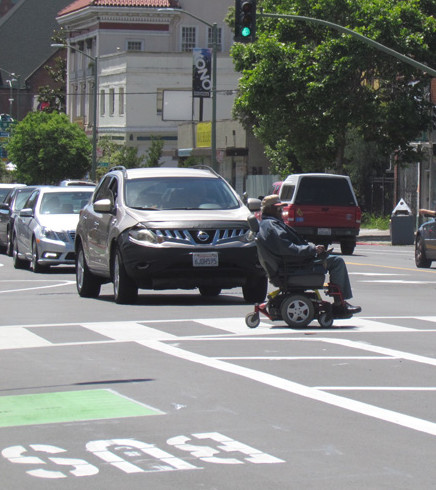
<point x="339" y="274"/>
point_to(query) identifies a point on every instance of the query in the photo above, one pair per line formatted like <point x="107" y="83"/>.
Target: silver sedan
<point x="45" y="228"/>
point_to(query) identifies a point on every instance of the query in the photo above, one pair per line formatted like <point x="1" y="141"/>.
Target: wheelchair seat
<point x="285" y="274"/>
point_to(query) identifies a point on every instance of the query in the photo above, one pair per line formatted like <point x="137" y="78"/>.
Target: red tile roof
<point x="80" y="4"/>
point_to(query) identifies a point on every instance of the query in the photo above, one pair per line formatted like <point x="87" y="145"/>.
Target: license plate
<point x="205" y="259"/>
<point x="324" y="231"/>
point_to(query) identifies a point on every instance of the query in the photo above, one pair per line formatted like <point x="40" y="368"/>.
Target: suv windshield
<point x="324" y="192"/>
<point x="179" y="193"/>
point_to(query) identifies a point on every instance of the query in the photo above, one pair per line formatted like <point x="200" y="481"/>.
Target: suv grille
<point x="202" y="236"/>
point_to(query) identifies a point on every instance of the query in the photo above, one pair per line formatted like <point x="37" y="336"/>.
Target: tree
<point x="154" y="153"/>
<point x="52" y="98"/>
<point x="114" y="154"/>
<point x="306" y="88"/>
<point x="47" y="148"/>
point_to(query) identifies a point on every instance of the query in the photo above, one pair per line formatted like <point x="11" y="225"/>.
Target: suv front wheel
<point x="125" y="290"/>
<point x="88" y="286"/>
<point x="255" y="291"/>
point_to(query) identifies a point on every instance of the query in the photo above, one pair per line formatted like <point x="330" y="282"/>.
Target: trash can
<point x="402" y="225"/>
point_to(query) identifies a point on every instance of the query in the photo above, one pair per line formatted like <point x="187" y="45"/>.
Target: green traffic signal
<point x="245" y="21"/>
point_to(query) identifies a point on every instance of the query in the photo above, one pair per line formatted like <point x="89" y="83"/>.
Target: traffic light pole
<point x="364" y="39"/>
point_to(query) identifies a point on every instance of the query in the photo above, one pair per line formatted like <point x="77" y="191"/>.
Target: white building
<point x="144" y="54"/>
<point x="144" y="59"/>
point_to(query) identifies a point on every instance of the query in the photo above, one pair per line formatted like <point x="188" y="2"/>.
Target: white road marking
<point x="372" y="274"/>
<point x="298" y="389"/>
<point x="379" y="350"/>
<point x="58" y="284"/>
<point x="18" y="337"/>
<point x="306" y="358"/>
<point x="376" y="388"/>
<point x="128" y="331"/>
<point x="366" y="325"/>
<point x="400" y="281"/>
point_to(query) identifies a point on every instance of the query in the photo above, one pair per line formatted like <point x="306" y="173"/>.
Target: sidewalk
<point x="369" y="235"/>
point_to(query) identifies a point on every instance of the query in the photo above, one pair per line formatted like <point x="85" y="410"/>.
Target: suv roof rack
<point x="122" y="168"/>
<point x="206" y="167"/>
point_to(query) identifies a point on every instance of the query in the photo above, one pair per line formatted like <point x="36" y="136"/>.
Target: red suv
<point x="323" y="208"/>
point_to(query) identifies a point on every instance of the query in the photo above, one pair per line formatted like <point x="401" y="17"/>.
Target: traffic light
<point x="245" y="21"/>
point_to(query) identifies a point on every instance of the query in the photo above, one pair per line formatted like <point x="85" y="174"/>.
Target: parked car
<point x="425" y="240"/>
<point x="76" y="183"/>
<point x="45" y="228"/>
<point x="323" y="208"/>
<point x="9" y="209"/>
<point x="166" y="228"/>
<point x="6" y="188"/>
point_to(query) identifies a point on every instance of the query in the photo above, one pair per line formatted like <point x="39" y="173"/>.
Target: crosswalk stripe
<point x="26" y="336"/>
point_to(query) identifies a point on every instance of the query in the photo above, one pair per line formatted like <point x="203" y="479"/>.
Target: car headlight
<point x="49" y="234"/>
<point x="60" y="236"/>
<point x="144" y="235"/>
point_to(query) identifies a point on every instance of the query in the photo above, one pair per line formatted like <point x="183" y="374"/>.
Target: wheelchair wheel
<point x="297" y="310"/>
<point x="252" y="320"/>
<point x="325" y="320"/>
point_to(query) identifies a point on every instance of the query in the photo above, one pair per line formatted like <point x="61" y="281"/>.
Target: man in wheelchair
<point x="280" y="240"/>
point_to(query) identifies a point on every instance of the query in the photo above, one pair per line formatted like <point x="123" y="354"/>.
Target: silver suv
<point x="166" y="228"/>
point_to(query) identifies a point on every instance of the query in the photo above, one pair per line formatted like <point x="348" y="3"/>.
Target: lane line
<point x="306" y="358"/>
<point x="361" y="408"/>
<point x="376" y="388"/>
<point x="65" y="283"/>
<point x="380" y="350"/>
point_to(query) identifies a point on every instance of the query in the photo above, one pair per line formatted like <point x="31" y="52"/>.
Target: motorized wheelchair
<point x="297" y="300"/>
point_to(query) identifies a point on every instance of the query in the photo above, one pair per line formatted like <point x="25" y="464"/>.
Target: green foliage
<point x="4" y="174"/>
<point x="190" y="162"/>
<point x="154" y="153"/>
<point x="374" y="222"/>
<point x="55" y="94"/>
<point x="115" y="154"/>
<point x="305" y="88"/>
<point x="55" y="97"/>
<point x="47" y="148"/>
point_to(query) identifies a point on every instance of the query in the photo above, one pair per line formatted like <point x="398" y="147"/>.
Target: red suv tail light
<point x="288" y="215"/>
<point x="358" y="215"/>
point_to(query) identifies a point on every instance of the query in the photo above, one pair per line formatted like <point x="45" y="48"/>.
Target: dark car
<point x="425" y="241"/>
<point x="9" y="209"/>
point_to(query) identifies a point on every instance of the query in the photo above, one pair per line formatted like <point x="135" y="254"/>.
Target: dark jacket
<point x="283" y="241"/>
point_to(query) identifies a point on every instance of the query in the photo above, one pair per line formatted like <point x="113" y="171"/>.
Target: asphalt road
<point x="176" y="392"/>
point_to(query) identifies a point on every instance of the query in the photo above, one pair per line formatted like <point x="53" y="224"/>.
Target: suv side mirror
<point x="103" y="206"/>
<point x="26" y="213"/>
<point x="253" y="204"/>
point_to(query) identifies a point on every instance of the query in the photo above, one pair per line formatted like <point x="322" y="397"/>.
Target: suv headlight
<point x="144" y="235"/>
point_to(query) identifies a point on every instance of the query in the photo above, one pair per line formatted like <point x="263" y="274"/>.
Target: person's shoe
<point x="352" y="309"/>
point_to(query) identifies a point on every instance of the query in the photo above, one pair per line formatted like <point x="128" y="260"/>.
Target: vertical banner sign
<point x="202" y="72"/>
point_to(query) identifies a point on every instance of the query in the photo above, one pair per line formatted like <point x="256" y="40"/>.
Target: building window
<point x="219" y="38"/>
<point x="102" y="102"/>
<point x="121" y="101"/>
<point x="188" y="38"/>
<point x="82" y="99"/>
<point x="111" y="101"/>
<point x="135" y="46"/>
<point x="159" y="100"/>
